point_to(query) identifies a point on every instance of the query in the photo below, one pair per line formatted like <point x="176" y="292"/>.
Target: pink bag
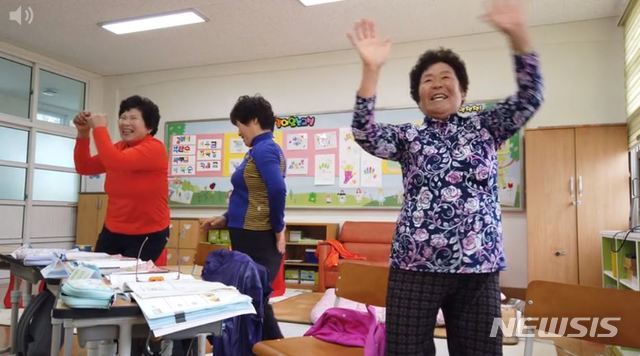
<point x="351" y="328"/>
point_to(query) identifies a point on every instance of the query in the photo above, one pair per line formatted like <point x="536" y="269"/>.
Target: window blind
<point x="631" y="23"/>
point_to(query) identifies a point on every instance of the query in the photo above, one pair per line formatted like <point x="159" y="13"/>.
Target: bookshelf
<point x="301" y="265"/>
<point x="619" y="260"/>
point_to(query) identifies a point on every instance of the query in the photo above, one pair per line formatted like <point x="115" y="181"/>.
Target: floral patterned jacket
<point x="450" y="218"/>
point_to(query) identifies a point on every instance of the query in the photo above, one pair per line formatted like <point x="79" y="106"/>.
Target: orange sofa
<point x="369" y="239"/>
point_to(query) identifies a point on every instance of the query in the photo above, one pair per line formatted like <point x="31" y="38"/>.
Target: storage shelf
<point x="615" y="256"/>
<point x="630" y="283"/>
<point x="301" y="264"/>
<point x="300" y="285"/>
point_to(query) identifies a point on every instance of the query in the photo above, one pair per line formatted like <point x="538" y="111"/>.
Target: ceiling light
<point x="49" y="92"/>
<point x="153" y="22"/>
<point x="316" y="2"/>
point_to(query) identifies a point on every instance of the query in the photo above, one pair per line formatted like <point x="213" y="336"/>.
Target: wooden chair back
<point x="202" y="251"/>
<point x="610" y="316"/>
<point x="363" y="283"/>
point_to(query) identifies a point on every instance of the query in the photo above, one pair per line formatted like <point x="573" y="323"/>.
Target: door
<point x="602" y="178"/>
<point x="551" y="209"/>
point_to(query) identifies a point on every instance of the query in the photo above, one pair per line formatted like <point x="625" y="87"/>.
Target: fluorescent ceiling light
<point x="153" y="22"/>
<point x="316" y="2"/>
<point x="49" y="92"/>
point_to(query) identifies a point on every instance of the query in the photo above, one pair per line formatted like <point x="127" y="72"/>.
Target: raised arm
<point x="380" y="140"/>
<point x="511" y="114"/>
<point x="85" y="164"/>
<point x="373" y="52"/>
<point x="507" y="16"/>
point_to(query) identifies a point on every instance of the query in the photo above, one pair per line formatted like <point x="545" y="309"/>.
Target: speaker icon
<point x="16" y="15"/>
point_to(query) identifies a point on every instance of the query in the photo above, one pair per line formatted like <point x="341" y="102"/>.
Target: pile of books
<point x="170" y="306"/>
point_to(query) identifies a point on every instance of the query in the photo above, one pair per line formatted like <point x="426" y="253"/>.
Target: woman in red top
<point x="136" y="178"/>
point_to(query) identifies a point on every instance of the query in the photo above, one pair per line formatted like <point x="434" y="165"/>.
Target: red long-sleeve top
<point x="136" y="181"/>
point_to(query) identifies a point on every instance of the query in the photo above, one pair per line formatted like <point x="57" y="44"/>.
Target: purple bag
<point x="351" y="328"/>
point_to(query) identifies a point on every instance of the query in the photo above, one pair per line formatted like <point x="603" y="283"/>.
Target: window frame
<point x="33" y="126"/>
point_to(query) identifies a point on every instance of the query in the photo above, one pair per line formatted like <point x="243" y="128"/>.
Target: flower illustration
<point x="454" y="177"/>
<point x="451" y="194"/>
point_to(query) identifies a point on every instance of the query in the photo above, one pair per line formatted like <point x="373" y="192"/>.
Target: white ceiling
<point x="240" y="30"/>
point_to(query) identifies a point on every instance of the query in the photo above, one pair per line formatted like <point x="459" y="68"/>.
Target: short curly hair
<point x="149" y="110"/>
<point x="248" y="108"/>
<point x="431" y="57"/>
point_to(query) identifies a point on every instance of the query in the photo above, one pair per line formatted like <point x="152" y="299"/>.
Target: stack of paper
<point x="37" y="256"/>
<point x="175" y="305"/>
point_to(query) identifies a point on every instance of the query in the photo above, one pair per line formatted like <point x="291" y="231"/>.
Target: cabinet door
<point x="602" y="172"/>
<point x="87" y="219"/>
<point x="551" y="210"/>
<point x="187" y="230"/>
<point x="102" y="211"/>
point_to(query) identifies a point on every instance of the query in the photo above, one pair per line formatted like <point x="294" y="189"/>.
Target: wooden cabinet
<point x="190" y="235"/>
<point x="577" y="185"/>
<point x="300" y="254"/>
<point x="92" y="208"/>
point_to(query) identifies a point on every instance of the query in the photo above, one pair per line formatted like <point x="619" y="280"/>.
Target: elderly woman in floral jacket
<point x="447" y="250"/>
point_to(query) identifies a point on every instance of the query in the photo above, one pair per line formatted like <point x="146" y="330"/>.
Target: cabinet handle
<point x="578" y="201"/>
<point x="560" y="253"/>
<point x="572" y="191"/>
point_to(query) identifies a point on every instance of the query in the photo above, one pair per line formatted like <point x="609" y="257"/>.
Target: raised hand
<point x="372" y="49"/>
<point x="507" y="16"/>
<point x="81" y="123"/>
<point x="97" y="120"/>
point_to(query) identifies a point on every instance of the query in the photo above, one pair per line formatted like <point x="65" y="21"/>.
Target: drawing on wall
<point x="297" y="166"/>
<point x="326" y="168"/>
<point x="325" y="172"/>
<point x="297" y="141"/>
<point x="325" y="140"/>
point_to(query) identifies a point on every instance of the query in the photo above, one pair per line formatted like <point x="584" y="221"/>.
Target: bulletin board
<point x="325" y="166"/>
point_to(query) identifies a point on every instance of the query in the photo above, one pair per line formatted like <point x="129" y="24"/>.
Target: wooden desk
<point x="122" y="321"/>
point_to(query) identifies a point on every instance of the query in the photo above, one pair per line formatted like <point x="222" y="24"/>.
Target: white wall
<point x="582" y="66"/>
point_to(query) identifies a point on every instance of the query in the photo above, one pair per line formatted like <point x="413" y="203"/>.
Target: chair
<point x="359" y="282"/>
<point x="558" y="300"/>
<point x="369" y="239"/>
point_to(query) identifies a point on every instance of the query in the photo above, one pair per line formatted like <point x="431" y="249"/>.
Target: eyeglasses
<point x="182" y="232"/>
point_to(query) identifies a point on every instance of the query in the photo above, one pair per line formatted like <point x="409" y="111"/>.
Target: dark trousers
<point x="261" y="247"/>
<point x="469" y="302"/>
<point x="129" y="245"/>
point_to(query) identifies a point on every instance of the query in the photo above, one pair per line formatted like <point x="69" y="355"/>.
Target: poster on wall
<point x="325" y="167"/>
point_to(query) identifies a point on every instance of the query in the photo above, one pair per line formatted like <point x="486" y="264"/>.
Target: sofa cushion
<point x="367" y="232"/>
<point x="374" y="252"/>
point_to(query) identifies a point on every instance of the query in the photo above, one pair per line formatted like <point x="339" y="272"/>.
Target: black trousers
<point x="129" y="245"/>
<point x="469" y="302"/>
<point x="261" y="247"/>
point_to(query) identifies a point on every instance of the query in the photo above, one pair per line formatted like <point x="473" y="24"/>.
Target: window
<point x="66" y="185"/>
<point x="15" y="88"/>
<point x="59" y="98"/>
<point x="54" y="150"/>
<point x="16" y="142"/>
<point x="38" y="183"/>
<point x="631" y="22"/>
<point x="12" y="182"/>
